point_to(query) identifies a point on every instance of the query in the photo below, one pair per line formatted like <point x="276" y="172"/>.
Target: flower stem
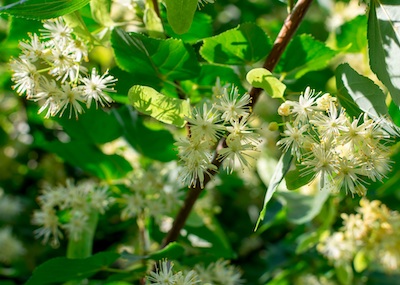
<point x="82" y="248"/>
<point x="287" y="31"/>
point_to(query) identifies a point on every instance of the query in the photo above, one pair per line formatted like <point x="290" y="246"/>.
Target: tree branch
<point x="287" y="31"/>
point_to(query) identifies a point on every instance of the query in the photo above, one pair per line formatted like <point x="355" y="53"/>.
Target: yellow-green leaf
<point x="165" y="109"/>
<point x="263" y="78"/>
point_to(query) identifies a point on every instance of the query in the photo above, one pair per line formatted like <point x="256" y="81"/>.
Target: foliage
<point x="199" y="142"/>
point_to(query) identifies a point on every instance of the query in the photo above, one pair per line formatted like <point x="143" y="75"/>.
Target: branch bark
<point x="286" y="33"/>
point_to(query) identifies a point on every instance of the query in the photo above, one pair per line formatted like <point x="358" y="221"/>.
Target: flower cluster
<point x="153" y="191"/>
<point x="69" y="208"/>
<point x="373" y="231"/>
<point x="227" y="115"/>
<point x="327" y="144"/>
<point x="216" y="273"/>
<point x="50" y="71"/>
<point x="11" y="248"/>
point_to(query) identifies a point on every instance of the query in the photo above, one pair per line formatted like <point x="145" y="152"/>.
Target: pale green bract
<point x="165" y="109"/>
<point x="263" y="78"/>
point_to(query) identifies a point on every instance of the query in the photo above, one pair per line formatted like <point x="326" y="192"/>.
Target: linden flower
<point x="163" y="274"/>
<point x="232" y="106"/>
<point x="294" y="139"/>
<point x="204" y="124"/>
<point x="302" y="109"/>
<point x="95" y="86"/>
<point x="50" y="71"/>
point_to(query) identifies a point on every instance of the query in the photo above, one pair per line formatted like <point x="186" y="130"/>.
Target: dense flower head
<point x="154" y="191"/>
<point x="218" y="273"/>
<point x="327" y="144"/>
<point x="76" y="202"/>
<point x="226" y="115"/>
<point x="374" y="229"/>
<point x="50" y="70"/>
<point x="11" y="247"/>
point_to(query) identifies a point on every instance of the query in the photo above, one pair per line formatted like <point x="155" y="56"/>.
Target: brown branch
<point x="290" y="26"/>
<point x="156" y="8"/>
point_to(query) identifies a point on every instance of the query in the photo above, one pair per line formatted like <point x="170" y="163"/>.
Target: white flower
<point x="33" y="49"/>
<point x="94" y="87"/>
<point x="57" y="31"/>
<point x="49" y="222"/>
<point x="294" y="138"/>
<point x="302" y="109"/>
<point x="25" y="76"/>
<point x="330" y="125"/>
<point x="337" y="248"/>
<point x="50" y="94"/>
<point x="77" y="224"/>
<point x="204" y="124"/>
<point x="236" y="151"/>
<point x="71" y="97"/>
<point x="232" y="106"/>
<point x="163" y="274"/>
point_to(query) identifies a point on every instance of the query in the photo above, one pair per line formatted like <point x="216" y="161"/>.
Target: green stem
<point x="82" y="248"/>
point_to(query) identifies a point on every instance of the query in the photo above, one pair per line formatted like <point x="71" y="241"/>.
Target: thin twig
<point x="290" y="26"/>
<point x="156" y="8"/>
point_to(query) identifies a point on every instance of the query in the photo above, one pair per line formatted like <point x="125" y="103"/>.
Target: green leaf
<point x="303" y="208"/>
<point x="88" y="157"/>
<point x="101" y="12"/>
<point x="245" y="44"/>
<point x="168" y="59"/>
<point x="344" y="273"/>
<point x="94" y="127"/>
<point x="201" y="86"/>
<point x="42" y="9"/>
<point x="180" y="14"/>
<point x="165" y="109"/>
<point x="360" y="261"/>
<point x="358" y="93"/>
<point x="307" y="241"/>
<point x="152" y="22"/>
<point x="263" y="78"/>
<point x="172" y="251"/>
<point x="384" y="46"/>
<point x="304" y="54"/>
<point x="62" y="269"/>
<point x="295" y="179"/>
<point x="280" y="171"/>
<point x="352" y="35"/>
<point x="201" y="28"/>
<point x="155" y="144"/>
<point x="209" y="230"/>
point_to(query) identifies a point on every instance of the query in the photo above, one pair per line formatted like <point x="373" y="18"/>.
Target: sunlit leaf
<point x="42" y="9"/>
<point x="101" y="12"/>
<point x="358" y="93"/>
<point x="280" y="171"/>
<point x="263" y="78"/>
<point x="168" y="59"/>
<point x="304" y="54"/>
<point x="352" y="35"/>
<point x="244" y="44"/>
<point x="165" y="109"/>
<point x="383" y="43"/>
